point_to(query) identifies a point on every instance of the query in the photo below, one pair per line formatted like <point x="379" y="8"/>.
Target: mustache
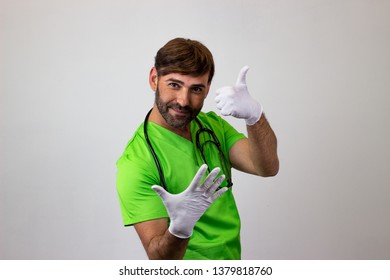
<point x="181" y="108"/>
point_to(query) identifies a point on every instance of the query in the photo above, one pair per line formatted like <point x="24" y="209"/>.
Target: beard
<point x="175" y="121"/>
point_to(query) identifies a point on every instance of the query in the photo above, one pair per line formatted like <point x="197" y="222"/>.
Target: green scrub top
<point x="217" y="233"/>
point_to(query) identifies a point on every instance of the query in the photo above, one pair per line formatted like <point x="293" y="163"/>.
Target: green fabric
<point x="217" y="234"/>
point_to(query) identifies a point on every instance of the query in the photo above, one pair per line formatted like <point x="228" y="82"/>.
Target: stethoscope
<point x="158" y="165"/>
<point x="199" y="146"/>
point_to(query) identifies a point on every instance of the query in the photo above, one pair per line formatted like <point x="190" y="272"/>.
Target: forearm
<point x="167" y="247"/>
<point x="263" y="148"/>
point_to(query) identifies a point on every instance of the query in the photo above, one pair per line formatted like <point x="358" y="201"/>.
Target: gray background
<point x="74" y="87"/>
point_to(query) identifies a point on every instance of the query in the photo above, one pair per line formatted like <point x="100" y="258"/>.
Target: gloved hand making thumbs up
<point x="236" y="101"/>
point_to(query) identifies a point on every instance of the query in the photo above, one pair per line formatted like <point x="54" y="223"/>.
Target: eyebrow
<point x="182" y="83"/>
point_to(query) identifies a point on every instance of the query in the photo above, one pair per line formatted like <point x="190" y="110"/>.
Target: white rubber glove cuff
<point x="257" y="110"/>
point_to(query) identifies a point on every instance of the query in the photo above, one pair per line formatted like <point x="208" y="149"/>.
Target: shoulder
<point x="225" y="132"/>
<point x="211" y="119"/>
<point x="215" y="122"/>
<point x="136" y="142"/>
<point x="136" y="173"/>
<point x="211" y="115"/>
<point x="136" y="161"/>
<point x="136" y="149"/>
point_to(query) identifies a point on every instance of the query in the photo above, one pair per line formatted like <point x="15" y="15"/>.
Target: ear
<point x="153" y="79"/>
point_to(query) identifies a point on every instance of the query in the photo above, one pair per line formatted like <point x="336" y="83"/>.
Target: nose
<point x="183" y="97"/>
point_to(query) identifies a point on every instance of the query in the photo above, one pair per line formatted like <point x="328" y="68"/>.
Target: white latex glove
<point x="186" y="208"/>
<point x="237" y="102"/>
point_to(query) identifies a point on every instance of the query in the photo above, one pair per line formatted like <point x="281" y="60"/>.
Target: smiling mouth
<point x="180" y="111"/>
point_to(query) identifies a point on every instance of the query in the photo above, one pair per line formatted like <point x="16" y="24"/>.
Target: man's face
<point x="179" y="98"/>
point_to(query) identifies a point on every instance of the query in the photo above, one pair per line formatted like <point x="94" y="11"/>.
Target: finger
<point x="210" y="178"/>
<point x="241" y="79"/>
<point x="219" y="193"/>
<point x="222" y="90"/>
<point x="220" y="104"/>
<point x="215" y="185"/>
<point x="198" y="177"/>
<point x="160" y="191"/>
<point x="221" y="98"/>
<point x="227" y="111"/>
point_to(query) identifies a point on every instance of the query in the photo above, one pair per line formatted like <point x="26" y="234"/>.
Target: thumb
<point x="241" y="79"/>
<point x="160" y="191"/>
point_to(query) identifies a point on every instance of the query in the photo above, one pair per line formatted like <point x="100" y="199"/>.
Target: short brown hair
<point x="186" y="57"/>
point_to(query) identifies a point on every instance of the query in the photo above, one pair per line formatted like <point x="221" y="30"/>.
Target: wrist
<point x="179" y="233"/>
<point x="257" y="110"/>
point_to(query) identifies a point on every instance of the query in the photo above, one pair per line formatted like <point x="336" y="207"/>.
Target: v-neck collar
<point x="165" y="132"/>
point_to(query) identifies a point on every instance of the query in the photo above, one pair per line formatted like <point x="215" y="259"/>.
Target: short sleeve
<point x="231" y="134"/>
<point x="223" y="129"/>
<point x="135" y="177"/>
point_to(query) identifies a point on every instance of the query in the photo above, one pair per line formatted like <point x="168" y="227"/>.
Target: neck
<point x="157" y="118"/>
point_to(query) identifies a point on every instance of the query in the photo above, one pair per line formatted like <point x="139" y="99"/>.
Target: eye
<point x="174" y="85"/>
<point x="197" y="89"/>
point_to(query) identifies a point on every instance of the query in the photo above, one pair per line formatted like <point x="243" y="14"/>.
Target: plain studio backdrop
<point x="74" y="88"/>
